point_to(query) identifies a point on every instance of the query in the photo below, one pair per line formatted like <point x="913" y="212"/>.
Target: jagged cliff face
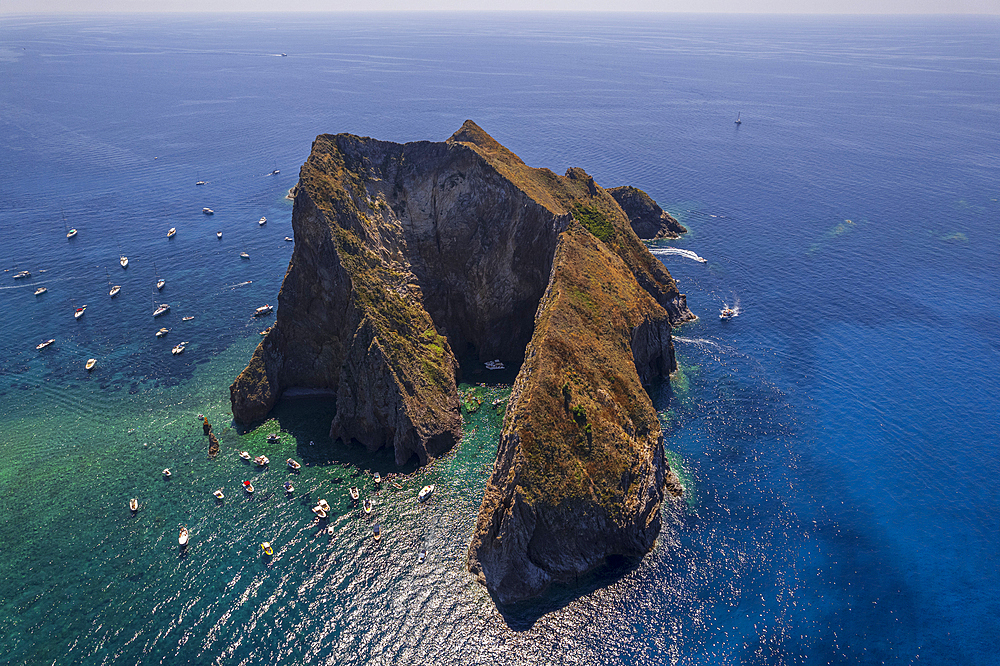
<point x="409" y="257"/>
<point x="648" y="220"/>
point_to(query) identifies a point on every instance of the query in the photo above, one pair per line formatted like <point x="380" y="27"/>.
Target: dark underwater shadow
<point x="521" y="616"/>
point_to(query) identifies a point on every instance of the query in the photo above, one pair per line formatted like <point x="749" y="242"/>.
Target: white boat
<point x="171" y="232"/>
<point x="262" y="461"/>
<point x="133" y="505"/>
<point x="266" y="547"/>
<point x="319" y="511"/>
<point x="187" y="318"/>
<point x="368" y="506"/>
<point x="273" y="438"/>
<point x="276" y="171"/>
<point x="184" y="536"/>
<point x="323" y="504"/>
<point x="91" y="362"/>
<point x="208" y="211"/>
<point x="738" y="121"/>
<point x="218" y="234"/>
<point x="293" y="464"/>
<point x="160" y="282"/>
<point x="289" y="239"/>
<point x="123" y="260"/>
<point x="69" y="232"/>
<point x="244" y="255"/>
<point x="166" y="472"/>
<point x="422" y="556"/>
<point x="218" y="494"/>
<point x="245" y="455"/>
<point x="21" y="275"/>
<point x="79" y="312"/>
<point x="247" y="486"/>
<point x="355" y="494"/>
<point x="179" y="348"/>
<point x="200" y="182"/>
<point x="40" y="291"/>
<point x="162" y="309"/>
<point x="262" y="221"/>
<point x="113" y="289"/>
<point x="163" y="331"/>
<point x="377" y="478"/>
<point x="331" y="530"/>
<point x="727" y="313"/>
<point x="425" y="493"/>
<point x="263" y="310"/>
<point x="46" y="343"/>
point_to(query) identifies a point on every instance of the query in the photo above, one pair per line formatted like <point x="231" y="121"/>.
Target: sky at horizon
<point x="900" y="7"/>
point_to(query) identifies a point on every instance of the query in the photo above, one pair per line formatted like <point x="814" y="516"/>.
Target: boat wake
<point x="698" y="341"/>
<point x="662" y="251"/>
<point x="238" y="284"/>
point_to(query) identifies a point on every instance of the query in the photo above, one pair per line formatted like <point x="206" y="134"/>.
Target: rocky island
<point x="411" y="259"/>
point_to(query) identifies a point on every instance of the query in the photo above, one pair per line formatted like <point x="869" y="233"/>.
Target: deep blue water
<point x="838" y="439"/>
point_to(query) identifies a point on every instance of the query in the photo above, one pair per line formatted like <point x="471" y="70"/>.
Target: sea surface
<point x="838" y="439"/>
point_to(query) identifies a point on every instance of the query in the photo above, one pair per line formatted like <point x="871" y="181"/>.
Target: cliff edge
<point x="411" y="256"/>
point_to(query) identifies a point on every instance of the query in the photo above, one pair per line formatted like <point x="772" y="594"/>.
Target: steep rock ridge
<point x="648" y="220"/>
<point x="408" y="255"/>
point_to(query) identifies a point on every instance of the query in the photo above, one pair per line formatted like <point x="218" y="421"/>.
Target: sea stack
<point x="411" y="256"/>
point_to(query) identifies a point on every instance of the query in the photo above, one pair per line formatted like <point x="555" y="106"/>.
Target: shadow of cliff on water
<point x="307" y="420"/>
<point x="521" y="616"/>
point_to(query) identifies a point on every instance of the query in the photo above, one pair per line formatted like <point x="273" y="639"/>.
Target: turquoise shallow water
<point x="836" y="439"/>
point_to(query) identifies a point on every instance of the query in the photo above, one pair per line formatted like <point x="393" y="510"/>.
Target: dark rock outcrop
<point x="408" y="257"/>
<point x="648" y="220"/>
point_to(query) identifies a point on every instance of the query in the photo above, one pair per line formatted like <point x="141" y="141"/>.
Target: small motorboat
<point x="266" y="331"/>
<point x="323" y="504"/>
<point x="262" y="221"/>
<point x="319" y="511"/>
<point x="208" y="211"/>
<point x="289" y="239"/>
<point x="396" y="485"/>
<point x="162" y="309"/>
<point x="294" y="464"/>
<point x="79" y="312"/>
<point x="218" y="234"/>
<point x="184" y="536"/>
<point x="355" y="494"/>
<point x="200" y="182"/>
<point x="72" y="232"/>
<point x="22" y="275"/>
<point x="368" y="506"/>
<point x="187" y="318"/>
<point x="160" y="283"/>
<point x="377" y="478"/>
<point x="179" y="348"/>
<point x="123" y="260"/>
<point x="263" y="310"/>
<point x="277" y="171"/>
<point x="46" y="343"/>
<point x="218" y="494"/>
<point x="331" y="530"/>
<point x="163" y="331"/>
<point x="727" y="313"/>
<point x="91" y="362"/>
<point x="377" y="532"/>
<point x="133" y="505"/>
<point x="245" y="455"/>
<point x="273" y="438"/>
<point x="114" y="290"/>
<point x="425" y="493"/>
<point x="262" y="461"/>
<point x="172" y="232"/>
<point x="244" y="255"/>
<point x="166" y="473"/>
<point x="40" y="291"/>
<point x="289" y="488"/>
<point x="266" y="547"/>
<point x="247" y="486"/>
<point x="422" y="556"/>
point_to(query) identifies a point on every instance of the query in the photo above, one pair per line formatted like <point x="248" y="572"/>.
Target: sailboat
<point x="160" y="309"/>
<point x="113" y="289"/>
<point x="159" y="281"/>
<point x="738" y="121"/>
<point x="69" y="232"/>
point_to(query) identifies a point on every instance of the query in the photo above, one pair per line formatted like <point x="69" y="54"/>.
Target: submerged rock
<point x="409" y="255"/>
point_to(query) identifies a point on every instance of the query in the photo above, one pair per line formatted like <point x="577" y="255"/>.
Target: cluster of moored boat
<point x="494" y="365"/>
<point x="322" y="509"/>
